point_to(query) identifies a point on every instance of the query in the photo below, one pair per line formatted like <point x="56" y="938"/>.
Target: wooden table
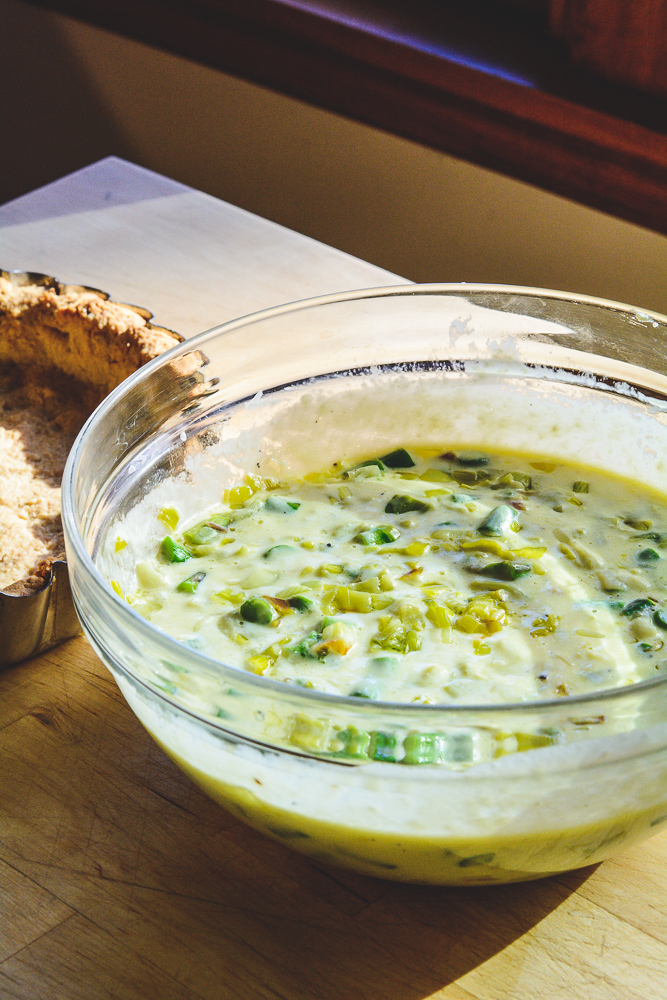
<point x="118" y="879"/>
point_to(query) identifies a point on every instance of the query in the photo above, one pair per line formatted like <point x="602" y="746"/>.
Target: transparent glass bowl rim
<point x="130" y="619"/>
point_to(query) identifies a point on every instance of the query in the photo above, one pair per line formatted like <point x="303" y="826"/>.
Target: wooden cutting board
<point x="118" y="878"/>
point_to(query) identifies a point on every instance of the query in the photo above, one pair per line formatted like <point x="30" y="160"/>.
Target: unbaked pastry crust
<point x="61" y="352"/>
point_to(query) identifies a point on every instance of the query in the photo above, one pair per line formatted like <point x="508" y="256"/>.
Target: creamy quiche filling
<point x="462" y="576"/>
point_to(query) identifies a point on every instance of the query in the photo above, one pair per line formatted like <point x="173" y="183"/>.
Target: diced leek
<point x="309" y="734"/>
<point x="169" y="516"/>
<point x="399" y="459"/>
<point x="382" y="747"/>
<point x="378" y="536"/>
<point x="300" y="603"/>
<point x="402" y="503"/>
<point x="424" y="748"/>
<point x="498" y="521"/>
<point x="237" y="495"/>
<point x="279" y="505"/>
<point x="204" y="532"/>
<point x="480" y="648"/>
<point x="353" y="600"/>
<point x="172" y="551"/>
<point x="258" y="610"/>
<point x="355" y="742"/>
<point x="505" y="570"/>
<point x="439" y="616"/>
<point x="436" y="476"/>
<point x="280" y="552"/>
<point x="231" y="596"/>
<point x="189" y="585"/>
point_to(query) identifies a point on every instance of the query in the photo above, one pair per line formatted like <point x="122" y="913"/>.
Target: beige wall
<point x="79" y="93"/>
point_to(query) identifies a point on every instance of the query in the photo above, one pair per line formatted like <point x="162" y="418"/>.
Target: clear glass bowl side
<point x="268" y="751"/>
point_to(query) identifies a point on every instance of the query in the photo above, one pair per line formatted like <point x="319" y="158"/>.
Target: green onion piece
<point x="277" y="551"/>
<point x="190" y="585"/>
<point x="257" y="610"/>
<point x="659" y="537"/>
<point x="378" y="536"/>
<point x="471" y="459"/>
<point x="647" y="556"/>
<point x="645" y="647"/>
<point x="304" y="647"/>
<point x="403" y="504"/>
<point x="367" y="689"/>
<point x="580" y="487"/>
<point x="355" y="742"/>
<point x="637" y="525"/>
<point x="498" y="521"/>
<point x="203" y="533"/>
<point x="325" y="624"/>
<point x="279" y="505"/>
<point x="172" y="551"/>
<point x="505" y="570"/>
<point x="660" y="618"/>
<point x="300" y="603"/>
<point x="636" y="607"/>
<point x="399" y="459"/>
<point x="424" y="748"/>
<point x="382" y="747"/>
<point x="470" y="477"/>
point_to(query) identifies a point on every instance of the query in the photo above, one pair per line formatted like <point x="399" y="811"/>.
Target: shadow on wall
<point x="52" y="120"/>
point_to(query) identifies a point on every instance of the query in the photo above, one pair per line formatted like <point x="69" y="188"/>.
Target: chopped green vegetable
<point x="367" y="689"/>
<point x="636" y="607"/>
<point x="189" y="585"/>
<point x="279" y="505"/>
<point x="382" y="747"/>
<point x="470" y="477"/>
<point x="257" y="610"/>
<point x="424" y="748"/>
<point x="647" y="556"/>
<point x="300" y="603"/>
<point x="372" y="462"/>
<point x="637" y="525"/>
<point x="471" y="458"/>
<point x="304" y="647"/>
<point x="505" y="570"/>
<point x="659" y="537"/>
<point x="399" y="459"/>
<point x="498" y="521"/>
<point x="172" y="551"/>
<point x="279" y="551"/>
<point x="660" y="618"/>
<point x="403" y="504"/>
<point x="580" y="486"/>
<point x="378" y="536"/>
<point x="207" y="530"/>
<point x="355" y="742"/>
<point x="169" y="516"/>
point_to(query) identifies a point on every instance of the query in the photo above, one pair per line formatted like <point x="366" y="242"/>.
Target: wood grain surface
<point x="119" y="880"/>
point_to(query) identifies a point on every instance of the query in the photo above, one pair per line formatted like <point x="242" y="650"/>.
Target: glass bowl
<point x="448" y="794"/>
